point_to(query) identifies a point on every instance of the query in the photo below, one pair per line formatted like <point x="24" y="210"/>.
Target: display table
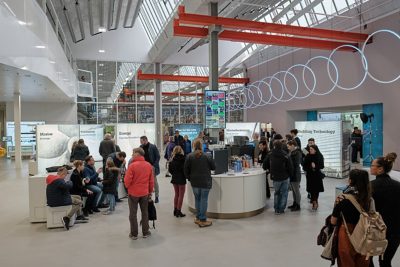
<point x="234" y="196"/>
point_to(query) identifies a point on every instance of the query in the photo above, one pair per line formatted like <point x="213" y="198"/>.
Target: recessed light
<point x="100" y="80"/>
<point x="100" y="74"/>
<point x="23" y="23"/>
<point x="40" y="46"/>
<point x="102" y="29"/>
<point x="24" y="68"/>
<point x="52" y="62"/>
<point x="102" y="51"/>
<point x="101" y="64"/>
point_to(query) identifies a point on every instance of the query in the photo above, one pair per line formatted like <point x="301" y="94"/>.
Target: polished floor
<point x="263" y="240"/>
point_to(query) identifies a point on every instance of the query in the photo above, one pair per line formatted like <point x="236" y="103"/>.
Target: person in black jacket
<point x="263" y="146"/>
<point x="106" y="148"/>
<point x="294" y="133"/>
<point x="178" y="139"/>
<point x="57" y="194"/>
<point x="81" y="151"/>
<point x="78" y="187"/>
<point x="386" y="193"/>
<point x="295" y="177"/>
<point x="110" y="184"/>
<point x="279" y="165"/>
<point x="313" y="164"/>
<point x="178" y="180"/>
<point x="197" y="168"/>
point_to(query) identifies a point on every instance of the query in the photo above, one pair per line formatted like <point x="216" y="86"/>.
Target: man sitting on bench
<point x="57" y="193"/>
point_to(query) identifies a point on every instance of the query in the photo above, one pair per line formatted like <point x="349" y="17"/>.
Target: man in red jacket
<point x="139" y="180"/>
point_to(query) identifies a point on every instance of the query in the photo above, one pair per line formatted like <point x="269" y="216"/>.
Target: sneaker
<point x="167" y="175"/>
<point x="197" y="221"/>
<point x="81" y="219"/>
<point x="107" y="212"/>
<point x="133" y="237"/>
<point x="156" y="200"/>
<point x="205" y="223"/>
<point x="85" y="213"/>
<point x="65" y="222"/>
<point x="95" y="210"/>
<point x="296" y="208"/>
<point x="148" y="234"/>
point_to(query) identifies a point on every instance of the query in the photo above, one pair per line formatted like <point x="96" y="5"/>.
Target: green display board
<point x="215" y="109"/>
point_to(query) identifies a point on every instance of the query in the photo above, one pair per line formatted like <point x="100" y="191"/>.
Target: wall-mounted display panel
<point x="92" y="135"/>
<point x="215" y="109"/>
<point x="241" y="129"/>
<point x="189" y="129"/>
<point x="128" y="135"/>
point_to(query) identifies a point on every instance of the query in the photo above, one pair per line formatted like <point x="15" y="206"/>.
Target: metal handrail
<point x="66" y="47"/>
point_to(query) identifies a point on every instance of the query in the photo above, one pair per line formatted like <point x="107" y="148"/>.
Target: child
<point x="109" y="185"/>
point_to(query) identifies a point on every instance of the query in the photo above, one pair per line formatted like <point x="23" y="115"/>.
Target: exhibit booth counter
<point x="235" y="195"/>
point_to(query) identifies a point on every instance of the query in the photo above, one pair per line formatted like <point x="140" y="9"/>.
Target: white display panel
<point x="241" y="129"/>
<point x="92" y="135"/>
<point x="328" y="137"/>
<point x="128" y="135"/>
<point x="54" y="143"/>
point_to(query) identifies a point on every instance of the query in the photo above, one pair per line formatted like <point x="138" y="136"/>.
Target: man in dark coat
<point x="106" y="148"/>
<point x="178" y="139"/>
<point x="152" y="156"/>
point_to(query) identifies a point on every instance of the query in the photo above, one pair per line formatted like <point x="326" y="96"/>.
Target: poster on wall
<point x="192" y="130"/>
<point x="128" y="135"/>
<point x="332" y="139"/>
<point x="54" y="143"/>
<point x="241" y="129"/>
<point x="215" y="109"/>
<point x="92" y="135"/>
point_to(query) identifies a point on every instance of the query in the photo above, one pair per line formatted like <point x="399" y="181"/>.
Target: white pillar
<point x="17" y="128"/>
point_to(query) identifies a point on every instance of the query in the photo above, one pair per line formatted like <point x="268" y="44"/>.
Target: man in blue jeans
<point x="93" y="175"/>
<point x="280" y="166"/>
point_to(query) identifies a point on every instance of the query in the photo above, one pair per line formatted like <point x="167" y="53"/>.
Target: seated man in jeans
<point x="93" y="185"/>
<point x="57" y="193"/>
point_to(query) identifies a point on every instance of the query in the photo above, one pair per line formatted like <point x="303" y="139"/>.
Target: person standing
<point x="119" y="161"/>
<point x="356" y="145"/>
<point x="360" y="189"/>
<point x="295" y="177"/>
<point x="187" y="145"/>
<point x="152" y="156"/>
<point x="178" y="180"/>
<point x="168" y="153"/>
<point x="81" y="151"/>
<point x="386" y="193"/>
<point x="197" y="169"/>
<point x="279" y="165"/>
<point x="106" y="148"/>
<point x="294" y="133"/>
<point x="139" y="180"/>
<point x="178" y="139"/>
<point x="111" y="175"/>
<point x="261" y="157"/>
<point x="313" y="164"/>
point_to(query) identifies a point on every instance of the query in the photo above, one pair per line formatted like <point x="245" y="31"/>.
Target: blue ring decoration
<point x="259" y="93"/>
<point x="364" y="59"/>
<point x="270" y="89"/>
<point x="363" y="49"/>
<point x="329" y="61"/>
<point x="313" y="74"/>
<point x="285" y="87"/>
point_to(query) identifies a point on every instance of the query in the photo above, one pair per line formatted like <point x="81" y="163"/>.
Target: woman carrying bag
<point x="313" y="163"/>
<point x="178" y="180"/>
<point x="345" y="212"/>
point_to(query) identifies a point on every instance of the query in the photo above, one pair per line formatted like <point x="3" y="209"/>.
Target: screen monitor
<point x="221" y="160"/>
<point x="215" y="107"/>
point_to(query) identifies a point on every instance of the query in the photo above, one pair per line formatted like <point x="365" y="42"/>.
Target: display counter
<point x="239" y="195"/>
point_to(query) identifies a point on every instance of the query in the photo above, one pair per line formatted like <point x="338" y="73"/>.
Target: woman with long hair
<point x="360" y="188"/>
<point x="386" y="193"/>
<point x="313" y="163"/>
<point x="197" y="168"/>
<point x="178" y="180"/>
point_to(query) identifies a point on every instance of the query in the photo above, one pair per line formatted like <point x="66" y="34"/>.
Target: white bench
<point x="55" y="214"/>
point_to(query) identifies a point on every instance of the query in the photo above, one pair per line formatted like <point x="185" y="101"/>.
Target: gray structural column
<point x="17" y="127"/>
<point x="213" y="49"/>
<point x="157" y="107"/>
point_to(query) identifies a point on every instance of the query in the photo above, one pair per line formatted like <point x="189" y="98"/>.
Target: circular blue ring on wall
<point x="285" y="87"/>
<point x="313" y="74"/>
<point x="329" y="61"/>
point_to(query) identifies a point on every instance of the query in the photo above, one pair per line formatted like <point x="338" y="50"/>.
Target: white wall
<point x="384" y="62"/>
<point x="51" y="113"/>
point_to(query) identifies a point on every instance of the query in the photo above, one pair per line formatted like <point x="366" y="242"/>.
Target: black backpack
<point x="152" y="212"/>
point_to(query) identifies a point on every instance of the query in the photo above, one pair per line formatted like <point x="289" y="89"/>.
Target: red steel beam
<point x="235" y="36"/>
<point x="187" y="78"/>
<point x="132" y="92"/>
<point x="204" y="20"/>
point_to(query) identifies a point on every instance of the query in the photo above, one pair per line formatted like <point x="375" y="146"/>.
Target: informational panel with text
<point x="241" y="129"/>
<point x="92" y="135"/>
<point x="331" y="137"/>
<point x="54" y="144"/>
<point x="128" y="135"/>
<point x="192" y="130"/>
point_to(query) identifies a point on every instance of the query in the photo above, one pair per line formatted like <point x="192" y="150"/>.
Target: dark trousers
<point x="314" y="196"/>
<point x="268" y="190"/>
<point x="393" y="244"/>
<point x="354" y="152"/>
<point x="133" y="206"/>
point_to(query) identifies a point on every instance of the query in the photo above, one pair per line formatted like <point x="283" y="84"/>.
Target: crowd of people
<point x="282" y="159"/>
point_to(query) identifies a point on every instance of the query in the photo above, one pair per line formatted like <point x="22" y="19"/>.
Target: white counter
<point x="235" y="196"/>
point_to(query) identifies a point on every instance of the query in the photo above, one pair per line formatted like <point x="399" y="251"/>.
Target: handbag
<point x="327" y="252"/>
<point x="152" y="212"/>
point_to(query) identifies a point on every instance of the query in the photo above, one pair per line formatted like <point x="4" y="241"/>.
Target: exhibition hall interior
<point x="256" y="121"/>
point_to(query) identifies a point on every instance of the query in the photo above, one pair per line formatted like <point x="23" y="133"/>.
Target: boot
<point x="293" y="205"/>
<point x="180" y="214"/>
<point x="175" y="212"/>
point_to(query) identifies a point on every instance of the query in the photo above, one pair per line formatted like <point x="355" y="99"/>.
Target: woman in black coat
<point x="175" y="167"/>
<point x="313" y="163"/>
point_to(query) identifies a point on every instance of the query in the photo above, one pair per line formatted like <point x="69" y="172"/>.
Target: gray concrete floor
<point x="263" y="240"/>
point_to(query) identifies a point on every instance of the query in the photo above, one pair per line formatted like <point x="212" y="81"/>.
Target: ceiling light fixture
<point x="40" y="46"/>
<point x="100" y="80"/>
<point x="23" y="23"/>
<point x="102" y="51"/>
<point x="101" y="64"/>
<point x="24" y="68"/>
<point x="100" y="74"/>
<point x="52" y="62"/>
<point x="102" y="29"/>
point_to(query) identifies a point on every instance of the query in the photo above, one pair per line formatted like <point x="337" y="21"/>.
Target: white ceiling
<point x="34" y="87"/>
